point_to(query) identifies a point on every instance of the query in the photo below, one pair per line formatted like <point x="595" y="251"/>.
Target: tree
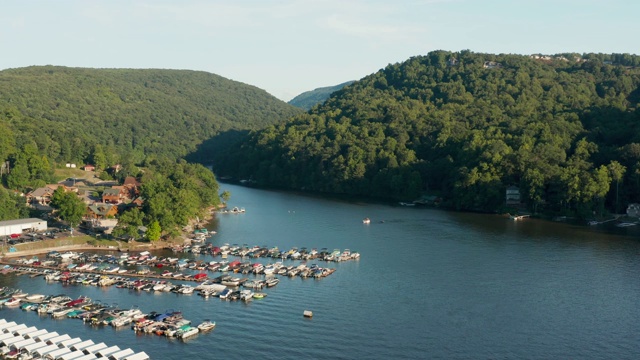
<point x="98" y="157"/>
<point x="225" y="195"/>
<point x="617" y="174"/>
<point x="128" y="224"/>
<point x="18" y="178"/>
<point x="70" y="207"/>
<point x="154" y="231"/>
<point x="12" y="206"/>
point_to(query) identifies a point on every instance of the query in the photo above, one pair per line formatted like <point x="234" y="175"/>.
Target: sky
<point x="287" y="47"/>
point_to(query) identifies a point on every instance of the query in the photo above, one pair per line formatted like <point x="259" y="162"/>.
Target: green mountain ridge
<point x="137" y="112"/>
<point x="309" y="99"/>
<point x="464" y="126"/>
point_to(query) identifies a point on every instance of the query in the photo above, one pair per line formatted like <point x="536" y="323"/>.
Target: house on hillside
<point x="101" y="211"/>
<point x="512" y="195"/>
<point x="112" y="196"/>
<point x="42" y="196"/>
<point x="89" y="167"/>
<point x="491" y="65"/>
<point x="137" y="202"/>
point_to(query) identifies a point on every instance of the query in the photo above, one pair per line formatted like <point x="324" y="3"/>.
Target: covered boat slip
<point x="47" y="336"/>
<point x="87" y="357"/>
<point x="54" y="354"/>
<point x="137" y="356"/>
<point x="95" y="348"/>
<point x="121" y="354"/>
<point x="34" y="334"/>
<point x="41" y="352"/>
<point x="14" y="328"/>
<point x="29" y="349"/>
<point x="107" y="351"/>
<point x="73" y="355"/>
<point x="39" y="344"/>
<point x="81" y="345"/>
<point x="58" y="339"/>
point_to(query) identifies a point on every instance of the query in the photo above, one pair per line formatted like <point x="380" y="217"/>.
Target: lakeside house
<point x="512" y="195"/>
<point x="102" y="211"/>
<point x="112" y="196"/>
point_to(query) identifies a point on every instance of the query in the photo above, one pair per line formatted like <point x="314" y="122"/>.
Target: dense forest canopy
<point x="66" y="112"/>
<point x="309" y="99"/>
<point x="465" y="126"/>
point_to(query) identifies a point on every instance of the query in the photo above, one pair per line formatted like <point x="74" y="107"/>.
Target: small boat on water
<point x="12" y="302"/>
<point x="34" y="298"/>
<point x="272" y="282"/>
<point x="259" y="295"/>
<point x="191" y="331"/>
<point x="207" y="325"/>
<point x="366" y="221"/>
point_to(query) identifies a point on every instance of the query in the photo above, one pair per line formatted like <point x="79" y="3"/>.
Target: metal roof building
<point x="9" y="227"/>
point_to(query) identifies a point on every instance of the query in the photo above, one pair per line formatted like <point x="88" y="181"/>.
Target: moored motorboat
<point x="191" y="331"/>
<point x="259" y="295"/>
<point x="34" y="298"/>
<point x="366" y="221"/>
<point x="207" y="325"/>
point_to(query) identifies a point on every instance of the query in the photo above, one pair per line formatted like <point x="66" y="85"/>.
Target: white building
<point x="18" y="226"/>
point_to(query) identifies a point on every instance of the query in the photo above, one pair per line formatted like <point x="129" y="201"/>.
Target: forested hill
<point x="309" y="99"/>
<point x="66" y="112"/>
<point x="464" y="126"/>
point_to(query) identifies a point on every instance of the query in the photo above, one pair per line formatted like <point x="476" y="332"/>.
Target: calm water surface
<point x="429" y="284"/>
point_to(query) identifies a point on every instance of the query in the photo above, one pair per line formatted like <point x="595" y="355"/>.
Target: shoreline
<point x="183" y="238"/>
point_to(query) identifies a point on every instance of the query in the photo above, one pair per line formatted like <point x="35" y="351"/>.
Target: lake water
<point x="429" y="284"/>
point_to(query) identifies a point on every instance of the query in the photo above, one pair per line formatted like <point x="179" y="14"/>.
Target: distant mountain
<point x="133" y="112"/>
<point x="309" y="99"/>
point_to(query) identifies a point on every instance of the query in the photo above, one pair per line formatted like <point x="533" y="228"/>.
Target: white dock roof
<point x="15" y="328"/>
<point x="24" y="331"/>
<point x="45" y="350"/>
<point x="82" y="345"/>
<point x="108" y="351"/>
<point x="68" y="343"/>
<point x="95" y="348"/>
<point x="7" y="325"/>
<point x="54" y="354"/>
<point x="47" y="336"/>
<point x="58" y="339"/>
<point x="121" y="354"/>
<point x="87" y="357"/>
<point x="36" y="333"/>
<point x="24" y="342"/>
<point x="71" y="355"/>
<point x="32" y="347"/>
<point x="138" y="356"/>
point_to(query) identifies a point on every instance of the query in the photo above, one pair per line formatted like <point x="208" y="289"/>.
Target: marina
<point x="487" y="287"/>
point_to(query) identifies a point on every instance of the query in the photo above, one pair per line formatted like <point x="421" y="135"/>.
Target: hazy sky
<point x="290" y="46"/>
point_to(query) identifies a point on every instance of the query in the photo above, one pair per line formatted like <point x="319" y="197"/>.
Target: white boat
<point x="246" y="295"/>
<point x="159" y="287"/>
<point x="366" y="221"/>
<point x="207" y="325"/>
<point x="189" y="332"/>
<point x="272" y="282"/>
<point x="12" y="302"/>
<point x="624" y="224"/>
<point x="61" y="312"/>
<point x="34" y="298"/>
<point x="187" y="289"/>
